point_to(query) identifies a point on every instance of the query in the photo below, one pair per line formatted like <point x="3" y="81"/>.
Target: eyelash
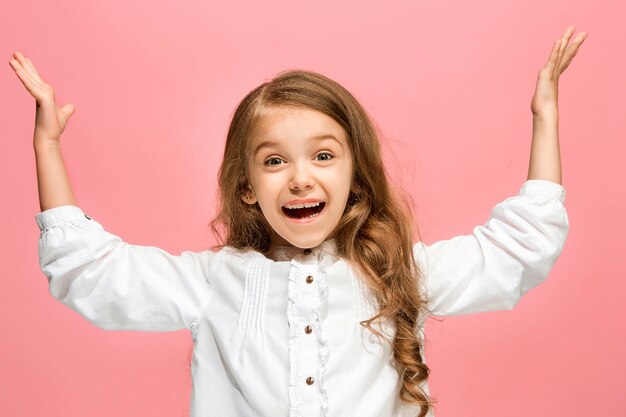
<point x="266" y="162"/>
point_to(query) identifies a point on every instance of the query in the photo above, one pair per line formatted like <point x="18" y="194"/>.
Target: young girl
<point x="314" y="304"/>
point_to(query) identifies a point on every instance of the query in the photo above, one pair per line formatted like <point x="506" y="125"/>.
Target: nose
<point x="301" y="178"/>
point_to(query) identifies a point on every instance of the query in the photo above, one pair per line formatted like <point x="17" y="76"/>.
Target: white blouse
<point x="281" y="336"/>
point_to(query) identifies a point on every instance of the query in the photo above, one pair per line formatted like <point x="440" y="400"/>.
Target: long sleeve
<point x="501" y="260"/>
<point x="116" y="285"/>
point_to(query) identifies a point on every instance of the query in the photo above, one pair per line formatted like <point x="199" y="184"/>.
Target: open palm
<point x="50" y="119"/>
<point x="545" y="99"/>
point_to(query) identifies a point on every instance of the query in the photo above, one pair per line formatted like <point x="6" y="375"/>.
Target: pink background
<point x="449" y="83"/>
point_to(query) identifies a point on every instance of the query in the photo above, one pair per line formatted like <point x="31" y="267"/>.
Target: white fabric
<point x="247" y="313"/>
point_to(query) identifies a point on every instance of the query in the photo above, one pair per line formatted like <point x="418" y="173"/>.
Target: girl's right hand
<point x="50" y="119"/>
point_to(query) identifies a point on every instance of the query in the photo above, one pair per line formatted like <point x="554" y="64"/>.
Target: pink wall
<point x="450" y="83"/>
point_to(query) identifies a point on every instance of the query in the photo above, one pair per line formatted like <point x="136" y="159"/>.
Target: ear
<point x="249" y="197"/>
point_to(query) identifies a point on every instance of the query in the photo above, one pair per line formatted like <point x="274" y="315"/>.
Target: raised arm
<point x="113" y="284"/>
<point x="50" y="121"/>
<point x="514" y="251"/>
<point x="545" y="155"/>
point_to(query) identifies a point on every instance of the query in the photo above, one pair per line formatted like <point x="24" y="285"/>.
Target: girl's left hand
<point x="545" y="100"/>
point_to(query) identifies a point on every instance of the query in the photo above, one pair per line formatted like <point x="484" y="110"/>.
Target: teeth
<point x="302" y="205"/>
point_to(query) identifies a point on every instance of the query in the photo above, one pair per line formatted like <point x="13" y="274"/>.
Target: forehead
<point x="295" y="123"/>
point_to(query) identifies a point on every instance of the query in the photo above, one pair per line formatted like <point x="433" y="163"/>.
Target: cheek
<point x="346" y="178"/>
<point x="262" y="182"/>
<point x="268" y="191"/>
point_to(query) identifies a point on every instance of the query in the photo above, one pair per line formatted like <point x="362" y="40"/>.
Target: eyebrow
<point x="270" y="143"/>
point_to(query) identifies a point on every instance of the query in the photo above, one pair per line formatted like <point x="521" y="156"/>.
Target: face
<point x="300" y="157"/>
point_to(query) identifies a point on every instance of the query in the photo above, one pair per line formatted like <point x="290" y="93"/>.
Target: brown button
<point x="307" y="251"/>
<point x="308" y="329"/>
<point x="309" y="279"/>
<point x="310" y="380"/>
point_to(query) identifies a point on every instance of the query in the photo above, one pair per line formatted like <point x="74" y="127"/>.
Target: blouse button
<point x="308" y="329"/>
<point x="310" y="381"/>
<point x="307" y="251"/>
<point x="309" y="279"/>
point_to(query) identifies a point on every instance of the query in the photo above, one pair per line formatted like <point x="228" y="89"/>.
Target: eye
<point x="269" y="160"/>
<point x="328" y="154"/>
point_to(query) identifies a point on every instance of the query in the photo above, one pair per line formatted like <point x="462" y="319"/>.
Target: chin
<point x="306" y="243"/>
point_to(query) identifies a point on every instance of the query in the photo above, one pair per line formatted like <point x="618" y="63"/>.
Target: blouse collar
<point x="287" y="252"/>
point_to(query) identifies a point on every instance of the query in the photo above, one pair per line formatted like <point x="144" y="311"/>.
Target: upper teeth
<point x="302" y="205"/>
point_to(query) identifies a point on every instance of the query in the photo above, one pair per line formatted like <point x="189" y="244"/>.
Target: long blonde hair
<point x="375" y="232"/>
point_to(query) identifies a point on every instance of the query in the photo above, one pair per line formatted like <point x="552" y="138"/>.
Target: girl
<point x="314" y="304"/>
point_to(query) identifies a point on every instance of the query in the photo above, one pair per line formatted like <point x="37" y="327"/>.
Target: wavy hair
<point x="375" y="231"/>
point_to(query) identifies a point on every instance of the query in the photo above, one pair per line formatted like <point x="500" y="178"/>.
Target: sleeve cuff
<point x="58" y="215"/>
<point x="543" y="188"/>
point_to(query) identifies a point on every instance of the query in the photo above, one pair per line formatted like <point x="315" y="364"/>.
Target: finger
<point x="68" y="111"/>
<point x="564" y="44"/>
<point x="569" y="60"/>
<point x="569" y="31"/>
<point x="556" y="70"/>
<point x="23" y="75"/>
<point x="31" y="66"/>
<point x="572" y="50"/>
<point x="559" y="55"/>
<point x="28" y="69"/>
<point x="552" y="59"/>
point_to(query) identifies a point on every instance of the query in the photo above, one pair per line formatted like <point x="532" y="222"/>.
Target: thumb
<point x="68" y="110"/>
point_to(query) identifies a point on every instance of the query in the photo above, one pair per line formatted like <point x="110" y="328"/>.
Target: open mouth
<point x="304" y="212"/>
